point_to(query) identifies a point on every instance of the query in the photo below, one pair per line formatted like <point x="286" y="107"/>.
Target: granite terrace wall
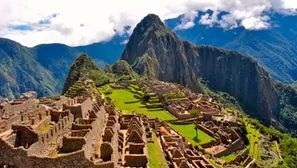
<point x="240" y="157"/>
<point x="72" y="144"/>
<point x="22" y="117"/>
<point x="237" y="145"/>
<point x="4" y="125"/>
<point x="80" y="110"/>
<point x="43" y="123"/>
<point x="178" y="115"/>
<point x="24" y="107"/>
<point x="172" y="101"/>
<point x="207" y="131"/>
<point x="137" y="160"/>
<point x="211" y="143"/>
<point x="92" y="138"/>
<point x="56" y="115"/>
<point x="19" y="158"/>
<point x="114" y="141"/>
<point x="51" y="136"/>
<point x="177" y="122"/>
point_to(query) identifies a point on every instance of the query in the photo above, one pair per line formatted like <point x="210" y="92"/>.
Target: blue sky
<point x="82" y="22"/>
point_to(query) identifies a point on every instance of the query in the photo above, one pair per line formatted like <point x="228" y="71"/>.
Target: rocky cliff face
<point x="155" y="51"/>
<point x="242" y="78"/>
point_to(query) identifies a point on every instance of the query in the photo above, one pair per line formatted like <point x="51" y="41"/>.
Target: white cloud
<point x="80" y="22"/>
<point x="187" y="21"/>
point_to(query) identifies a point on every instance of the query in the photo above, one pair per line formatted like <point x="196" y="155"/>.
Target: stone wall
<point x="72" y="144"/>
<point x="80" y="110"/>
<point x="92" y="138"/>
<point x="19" y="158"/>
<point x="240" y="157"/>
<point x="177" y="114"/>
<point x="235" y="146"/>
<point x="43" y="123"/>
<point x="51" y="136"/>
<point x="207" y="131"/>
<point x="17" y="108"/>
<point x="4" y="125"/>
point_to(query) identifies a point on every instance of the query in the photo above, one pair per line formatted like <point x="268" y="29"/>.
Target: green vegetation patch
<point x="229" y="157"/>
<point x="156" y="156"/>
<point x="188" y="131"/>
<point x="253" y="136"/>
<point x="124" y="100"/>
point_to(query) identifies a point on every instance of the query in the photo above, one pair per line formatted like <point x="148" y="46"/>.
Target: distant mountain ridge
<point x="275" y="48"/>
<point x="44" y="68"/>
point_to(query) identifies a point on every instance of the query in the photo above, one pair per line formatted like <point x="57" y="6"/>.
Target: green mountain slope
<point x="20" y="71"/>
<point x="80" y="68"/>
<point x="44" y="68"/>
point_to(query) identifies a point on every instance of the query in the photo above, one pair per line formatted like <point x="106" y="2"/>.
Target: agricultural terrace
<point x="128" y="102"/>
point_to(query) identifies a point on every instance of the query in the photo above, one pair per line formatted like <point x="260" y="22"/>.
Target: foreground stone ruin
<point x="86" y="132"/>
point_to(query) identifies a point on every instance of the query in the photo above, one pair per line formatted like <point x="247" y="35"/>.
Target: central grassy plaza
<point x="188" y="131"/>
<point x="124" y="100"/>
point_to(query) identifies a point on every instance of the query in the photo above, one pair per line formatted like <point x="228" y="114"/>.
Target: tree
<point x="196" y="113"/>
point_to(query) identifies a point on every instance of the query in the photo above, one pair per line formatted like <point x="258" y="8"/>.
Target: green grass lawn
<point x="188" y="131"/>
<point x="156" y="156"/>
<point x="229" y="157"/>
<point x="120" y="96"/>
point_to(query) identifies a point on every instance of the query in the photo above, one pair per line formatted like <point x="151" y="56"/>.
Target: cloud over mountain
<point x="81" y="22"/>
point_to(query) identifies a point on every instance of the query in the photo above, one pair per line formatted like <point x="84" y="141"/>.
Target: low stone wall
<point x="239" y="158"/>
<point x="17" y="108"/>
<point x="211" y="143"/>
<point x="81" y="110"/>
<point x="19" y="158"/>
<point x="4" y="125"/>
<point x="207" y="131"/>
<point x="45" y="139"/>
<point x="178" y="115"/>
<point x="92" y="138"/>
<point x="134" y="160"/>
<point x="177" y="122"/>
<point x="235" y="146"/>
<point x="72" y="144"/>
<point x="43" y="123"/>
<point x="152" y="106"/>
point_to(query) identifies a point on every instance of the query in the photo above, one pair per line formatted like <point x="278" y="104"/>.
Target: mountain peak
<point x="149" y="31"/>
<point x="80" y="68"/>
<point x="151" y="21"/>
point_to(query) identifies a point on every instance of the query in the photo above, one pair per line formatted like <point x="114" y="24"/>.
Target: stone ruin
<point x="179" y="152"/>
<point x="66" y="132"/>
<point x="83" y="132"/>
<point x="180" y="100"/>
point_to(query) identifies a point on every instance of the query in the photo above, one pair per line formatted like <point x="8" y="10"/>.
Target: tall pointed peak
<point x="151" y="21"/>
